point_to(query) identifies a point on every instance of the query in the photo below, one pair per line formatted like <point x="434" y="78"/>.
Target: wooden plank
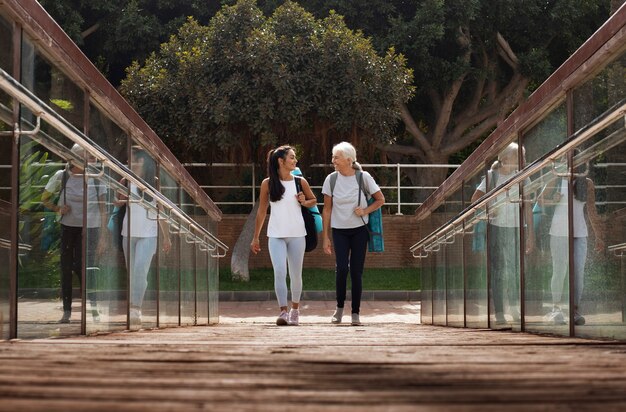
<point x="248" y="363"/>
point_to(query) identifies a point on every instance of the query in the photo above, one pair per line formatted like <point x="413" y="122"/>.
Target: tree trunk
<point x="241" y="252"/>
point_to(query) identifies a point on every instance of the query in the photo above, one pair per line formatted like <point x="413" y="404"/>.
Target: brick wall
<point x="401" y="232"/>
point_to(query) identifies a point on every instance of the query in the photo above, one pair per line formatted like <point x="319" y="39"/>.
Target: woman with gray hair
<point x="68" y="183"/>
<point x="346" y="213"/>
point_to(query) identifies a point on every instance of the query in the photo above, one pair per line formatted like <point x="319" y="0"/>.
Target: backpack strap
<point x="298" y="184"/>
<point x="64" y="178"/>
<point x="492" y="179"/>
<point x="333" y="181"/>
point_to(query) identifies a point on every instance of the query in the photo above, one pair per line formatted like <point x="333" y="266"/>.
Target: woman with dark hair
<point x="143" y="233"/>
<point x="584" y="194"/>
<point x="285" y="229"/>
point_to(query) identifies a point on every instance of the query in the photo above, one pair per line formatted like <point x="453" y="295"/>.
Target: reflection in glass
<point x="140" y="230"/>
<point x="51" y="85"/>
<point x="169" y="264"/>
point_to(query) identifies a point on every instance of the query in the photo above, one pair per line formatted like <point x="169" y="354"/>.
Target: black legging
<point x="71" y="260"/>
<point x="350" y="249"/>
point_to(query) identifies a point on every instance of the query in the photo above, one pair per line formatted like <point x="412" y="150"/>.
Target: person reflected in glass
<point x="68" y="184"/>
<point x="503" y="232"/>
<point x="584" y="194"/>
<point x="285" y="230"/>
<point x="345" y="216"/>
<point x="143" y="230"/>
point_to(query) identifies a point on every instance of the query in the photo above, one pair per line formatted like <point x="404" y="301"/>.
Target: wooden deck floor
<point x="247" y="363"/>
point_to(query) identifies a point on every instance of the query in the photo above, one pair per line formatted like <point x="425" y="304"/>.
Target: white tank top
<point x="559" y="225"/>
<point x="285" y="214"/>
<point x="140" y="224"/>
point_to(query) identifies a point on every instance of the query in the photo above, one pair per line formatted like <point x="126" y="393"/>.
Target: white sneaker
<point x="294" y="317"/>
<point x="135" y="316"/>
<point x="356" y="321"/>
<point x="337" y="315"/>
<point x="283" y="319"/>
<point x="555" y="317"/>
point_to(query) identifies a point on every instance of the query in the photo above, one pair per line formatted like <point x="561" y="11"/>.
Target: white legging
<point x="142" y="250"/>
<point x="287" y="252"/>
<point x="559" y="247"/>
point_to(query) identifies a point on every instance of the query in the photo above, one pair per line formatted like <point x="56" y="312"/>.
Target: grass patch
<point x="324" y="279"/>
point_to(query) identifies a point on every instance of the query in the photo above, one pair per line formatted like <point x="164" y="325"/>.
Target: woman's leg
<point x="358" y="251"/>
<point x="295" y="257"/>
<point x="141" y="252"/>
<point x="70" y="242"/>
<point x="580" y="259"/>
<point x="341" y="242"/>
<point x="559" y="250"/>
<point x="278" y="254"/>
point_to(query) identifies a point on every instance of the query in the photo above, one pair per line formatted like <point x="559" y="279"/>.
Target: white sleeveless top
<point x="140" y="224"/>
<point x="559" y="225"/>
<point x="285" y="214"/>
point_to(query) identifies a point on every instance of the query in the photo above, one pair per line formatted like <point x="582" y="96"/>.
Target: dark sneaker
<point x="66" y="317"/>
<point x="579" y="319"/>
<point x="283" y="319"/>
<point x="95" y="315"/>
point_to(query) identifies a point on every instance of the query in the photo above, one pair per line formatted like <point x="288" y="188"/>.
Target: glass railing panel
<point x="547" y="134"/>
<point x="51" y="85"/>
<point x="202" y="273"/>
<point x="50" y="257"/>
<point x="6" y="45"/>
<point x="107" y="134"/>
<point x="454" y="262"/>
<point x="5" y="216"/>
<point x="475" y="262"/>
<point x="142" y="243"/>
<point x="455" y="282"/>
<point x="546" y="283"/>
<point x="188" y="267"/>
<point x="169" y="263"/>
<point x="213" y="296"/>
<point x="110" y="284"/>
<point x="599" y="93"/>
<point x="503" y="240"/>
<point x="439" y="284"/>
<point x="475" y="255"/>
<point x="427" y="264"/>
<point x="600" y="270"/>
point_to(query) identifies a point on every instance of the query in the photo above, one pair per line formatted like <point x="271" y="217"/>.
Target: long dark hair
<point x="580" y="181"/>
<point x="149" y="167"/>
<point x="276" y="187"/>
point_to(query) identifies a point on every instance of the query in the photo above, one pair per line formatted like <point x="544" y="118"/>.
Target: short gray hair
<point x="349" y="152"/>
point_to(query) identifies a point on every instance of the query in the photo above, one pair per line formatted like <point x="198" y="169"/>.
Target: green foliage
<point x="246" y="81"/>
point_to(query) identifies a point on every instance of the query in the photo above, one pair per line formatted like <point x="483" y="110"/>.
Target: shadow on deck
<point x="248" y="363"/>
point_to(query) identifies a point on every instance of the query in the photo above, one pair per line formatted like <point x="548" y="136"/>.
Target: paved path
<point x="246" y="363"/>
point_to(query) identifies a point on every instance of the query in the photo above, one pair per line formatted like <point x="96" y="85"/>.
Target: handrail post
<point x="398" y="182"/>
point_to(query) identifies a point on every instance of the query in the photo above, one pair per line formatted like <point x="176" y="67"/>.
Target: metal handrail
<point x="43" y="111"/>
<point x="618" y="112"/>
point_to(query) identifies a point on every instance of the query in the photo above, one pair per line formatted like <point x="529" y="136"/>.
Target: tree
<point x="473" y="61"/>
<point x="244" y="83"/>
<point x="108" y="31"/>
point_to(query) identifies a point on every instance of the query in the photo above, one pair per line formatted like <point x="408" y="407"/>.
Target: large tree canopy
<point x="113" y="33"/>
<point x="247" y="82"/>
<point x="473" y="61"/>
